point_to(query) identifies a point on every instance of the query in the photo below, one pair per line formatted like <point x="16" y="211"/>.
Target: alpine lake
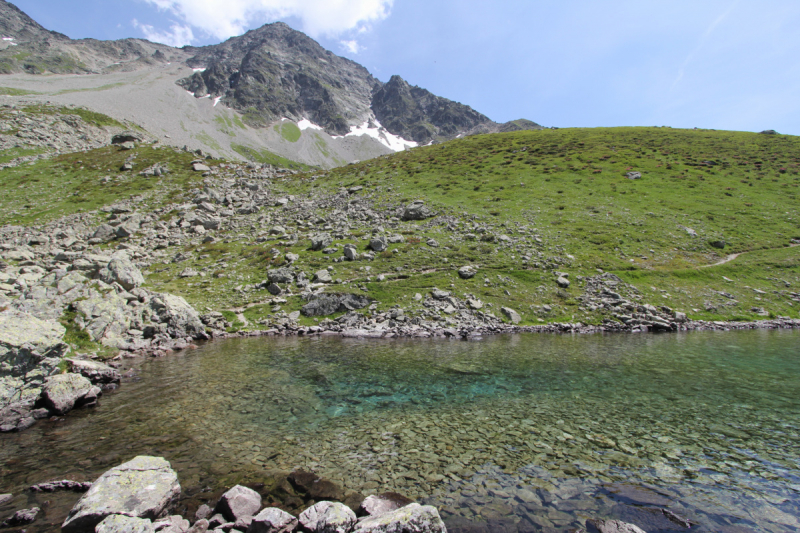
<point x="510" y="433"/>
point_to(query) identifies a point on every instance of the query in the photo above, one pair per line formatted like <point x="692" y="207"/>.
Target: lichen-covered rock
<point x="511" y="315"/>
<point x="62" y="392"/>
<point x="273" y="520"/>
<point x="181" y="318"/>
<point x="413" y="518"/>
<point x="144" y="487"/>
<point x="280" y="275"/>
<point x="238" y="503"/>
<point x="30" y="350"/>
<point x="124" y="524"/>
<point x="105" y="316"/>
<point x="97" y="373"/>
<point x="328" y="517"/>
<point x="122" y="270"/>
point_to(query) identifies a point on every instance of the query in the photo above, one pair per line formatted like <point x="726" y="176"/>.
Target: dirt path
<point x="734" y="256"/>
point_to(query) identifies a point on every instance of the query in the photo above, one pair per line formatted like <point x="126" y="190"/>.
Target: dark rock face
<point x="417" y="114"/>
<point x="327" y="304"/>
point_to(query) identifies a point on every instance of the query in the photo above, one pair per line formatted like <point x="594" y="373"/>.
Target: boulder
<point x="116" y="523"/>
<point x="122" y="270"/>
<point x="380" y="504"/>
<point x="719" y="244"/>
<point x="511" y="315"/>
<point x="63" y="392"/>
<point x="322" y="276"/>
<point x="467" y="272"/>
<point x="328" y="304"/>
<point x="634" y="175"/>
<point x="126" y="137"/>
<point x="144" y="487"/>
<point x="273" y="520"/>
<point x="611" y="526"/>
<point x="413" y="518"/>
<point x="97" y="373"/>
<point x="171" y="524"/>
<point x="378" y="244"/>
<point x="280" y="275"/>
<point x="5" y="498"/>
<point x="104" y="233"/>
<point x="238" y="504"/>
<point x="200" y="167"/>
<point x="180" y="317"/>
<point x="328" y="517"/>
<point x="321" y="241"/>
<point x="416" y="210"/>
<point x="350" y="252"/>
<point x="30" y="350"/>
<point x="562" y="282"/>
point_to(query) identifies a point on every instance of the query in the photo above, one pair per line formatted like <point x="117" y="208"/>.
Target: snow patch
<point x="380" y="134"/>
<point x="8" y="38"/>
<point x="198" y="70"/>
<point x="306" y="124"/>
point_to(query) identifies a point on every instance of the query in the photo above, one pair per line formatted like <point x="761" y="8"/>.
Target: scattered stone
<point x="328" y="517"/>
<point x="417" y="210"/>
<point x="467" y="272"/>
<point x="321" y="241"/>
<point x="200" y="167"/>
<point x="273" y="520"/>
<point x="511" y="315"/>
<point x="720" y="244"/>
<point x="634" y="175"/>
<point x="563" y="282"/>
<point x="239" y="503"/>
<point x="5" y="498"/>
<point x="323" y="276"/>
<point x="378" y="244"/>
<point x="144" y="487"/>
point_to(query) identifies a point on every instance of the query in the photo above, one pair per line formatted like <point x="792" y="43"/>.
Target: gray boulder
<point x="328" y="517"/>
<point x="511" y="315"/>
<point x="719" y="244"/>
<point x="378" y="244"/>
<point x="239" y="504"/>
<point x="328" y="304"/>
<point x="104" y="233"/>
<point x="116" y="523"/>
<point x="144" y="487"/>
<point x="413" y="518"/>
<point x="273" y="520"/>
<point x="321" y="241"/>
<point x="323" y="276"/>
<point x="350" y="252"/>
<point x="30" y="350"/>
<point x="97" y="373"/>
<point x="634" y="175"/>
<point x="467" y="272"/>
<point x="416" y="210"/>
<point x="181" y="318"/>
<point x="172" y="524"/>
<point x="280" y="275"/>
<point x="63" y="392"/>
<point x="611" y="526"/>
<point x="122" y="270"/>
<point x="562" y="282"/>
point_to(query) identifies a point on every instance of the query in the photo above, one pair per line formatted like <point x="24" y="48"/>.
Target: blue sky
<point x="722" y="64"/>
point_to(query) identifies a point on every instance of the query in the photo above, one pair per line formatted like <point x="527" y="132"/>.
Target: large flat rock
<point x="144" y="487"/>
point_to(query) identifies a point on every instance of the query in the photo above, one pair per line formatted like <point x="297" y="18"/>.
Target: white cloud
<point x="351" y="46"/>
<point x="177" y="36"/>
<point x="226" y="18"/>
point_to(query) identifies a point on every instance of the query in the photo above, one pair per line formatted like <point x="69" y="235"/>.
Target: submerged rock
<point x="21" y="517"/>
<point x="144" y="487"/>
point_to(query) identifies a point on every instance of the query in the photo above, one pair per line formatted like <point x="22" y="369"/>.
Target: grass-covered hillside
<point x="518" y="207"/>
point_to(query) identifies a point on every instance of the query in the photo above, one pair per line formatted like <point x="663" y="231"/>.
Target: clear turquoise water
<point x="513" y="433"/>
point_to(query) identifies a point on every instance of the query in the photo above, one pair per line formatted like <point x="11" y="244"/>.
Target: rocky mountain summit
<point x="275" y="72"/>
<point x="28" y="47"/>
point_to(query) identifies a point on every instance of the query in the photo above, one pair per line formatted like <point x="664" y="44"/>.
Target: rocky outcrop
<point x="30" y="351"/>
<point x="144" y="487"/>
<point x="97" y="373"/>
<point x="328" y="304"/>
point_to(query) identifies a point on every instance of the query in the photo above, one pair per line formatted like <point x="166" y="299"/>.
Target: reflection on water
<point x="514" y="433"/>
